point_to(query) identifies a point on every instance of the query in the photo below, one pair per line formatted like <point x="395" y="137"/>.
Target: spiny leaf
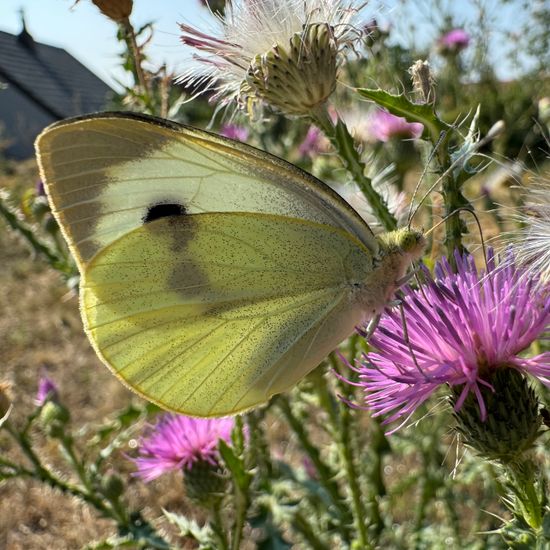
<point x="399" y="105"/>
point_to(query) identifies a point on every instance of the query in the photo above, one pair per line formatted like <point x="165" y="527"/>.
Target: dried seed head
<point x="117" y="10"/>
<point x="423" y="81"/>
<point x="296" y="78"/>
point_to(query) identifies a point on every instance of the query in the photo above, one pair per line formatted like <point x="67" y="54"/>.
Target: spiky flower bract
<point x="531" y="243"/>
<point x="178" y="442"/>
<point x="285" y="53"/>
<point x="460" y="329"/>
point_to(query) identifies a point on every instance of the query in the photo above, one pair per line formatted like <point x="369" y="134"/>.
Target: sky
<point x="90" y="36"/>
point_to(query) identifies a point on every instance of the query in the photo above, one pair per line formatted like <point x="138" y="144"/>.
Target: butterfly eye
<point x="410" y="240"/>
<point x="163" y="210"/>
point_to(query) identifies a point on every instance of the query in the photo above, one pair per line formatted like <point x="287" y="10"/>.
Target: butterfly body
<point x="213" y="275"/>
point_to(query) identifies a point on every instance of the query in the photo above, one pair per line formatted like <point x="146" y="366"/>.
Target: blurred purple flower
<point x="453" y="41"/>
<point x="232" y="131"/>
<point x="47" y="389"/>
<point x="313" y="144"/>
<point x="383" y="126"/>
<point x="462" y="327"/>
<point x="178" y="442"/>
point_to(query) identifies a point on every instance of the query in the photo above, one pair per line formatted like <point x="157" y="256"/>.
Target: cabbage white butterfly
<point x="213" y="275"/>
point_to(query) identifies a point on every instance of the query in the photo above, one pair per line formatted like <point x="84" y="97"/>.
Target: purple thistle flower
<point x="47" y="389"/>
<point x="383" y="126"/>
<point x="313" y="143"/>
<point x="462" y="327"/>
<point x="179" y="442"/>
<point x="232" y="131"/>
<point x="453" y="41"/>
<point x="39" y="189"/>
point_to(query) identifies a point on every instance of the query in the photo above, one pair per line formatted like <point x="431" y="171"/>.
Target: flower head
<point x="283" y="53"/>
<point x="179" y="442"/>
<point x="453" y="41"/>
<point x="462" y="327"/>
<point x="47" y="390"/>
<point x="117" y="10"/>
<point x="384" y="126"/>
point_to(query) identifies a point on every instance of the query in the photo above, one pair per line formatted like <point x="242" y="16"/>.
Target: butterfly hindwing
<point x="211" y="314"/>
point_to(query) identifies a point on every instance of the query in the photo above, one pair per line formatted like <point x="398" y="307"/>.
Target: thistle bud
<point x="50" y="225"/>
<point x="40" y="208"/>
<point x="204" y="482"/>
<point x="513" y="420"/>
<point x="117" y="10"/>
<point x="112" y="485"/>
<point x="294" y="79"/>
<point x="53" y="418"/>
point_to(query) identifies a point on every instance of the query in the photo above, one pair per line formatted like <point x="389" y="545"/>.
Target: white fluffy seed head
<point x="252" y="31"/>
<point x="531" y="242"/>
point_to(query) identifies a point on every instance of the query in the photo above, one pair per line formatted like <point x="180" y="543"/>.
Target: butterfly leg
<point x="371" y="327"/>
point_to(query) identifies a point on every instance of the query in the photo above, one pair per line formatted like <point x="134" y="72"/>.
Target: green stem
<point x="217" y="525"/>
<point x="39" y="246"/>
<point x="44" y="475"/>
<point x="529" y="501"/>
<point x="346" y="439"/>
<point x="326" y="475"/>
<point x="258" y="446"/>
<point x="70" y="455"/>
<point x="300" y="524"/>
<point x="241" y="505"/>
<point x="347" y="150"/>
<point x="345" y="444"/>
<point x="453" y="199"/>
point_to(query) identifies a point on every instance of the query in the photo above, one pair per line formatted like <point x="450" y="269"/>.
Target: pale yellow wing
<point x="106" y="174"/>
<point x="211" y="314"/>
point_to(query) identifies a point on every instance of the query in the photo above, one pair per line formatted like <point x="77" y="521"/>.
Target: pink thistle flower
<point x="462" y="327"/>
<point x="232" y="131"/>
<point x="453" y="41"/>
<point x="383" y="126"/>
<point x="179" y="442"/>
<point x="47" y="390"/>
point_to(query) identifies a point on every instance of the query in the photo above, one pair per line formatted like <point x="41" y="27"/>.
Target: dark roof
<point x="50" y="77"/>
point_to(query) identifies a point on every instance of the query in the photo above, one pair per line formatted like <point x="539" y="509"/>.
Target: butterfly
<point x="213" y="275"/>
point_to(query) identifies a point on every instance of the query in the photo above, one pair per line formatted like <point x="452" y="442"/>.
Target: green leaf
<point x="399" y="105"/>
<point x="190" y="528"/>
<point x="235" y="465"/>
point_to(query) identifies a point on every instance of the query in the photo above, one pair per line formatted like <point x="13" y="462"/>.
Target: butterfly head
<point x="406" y="241"/>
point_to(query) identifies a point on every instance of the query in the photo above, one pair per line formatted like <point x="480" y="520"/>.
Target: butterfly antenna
<point x="478" y="223"/>
<point x="421" y="179"/>
<point x="493" y="132"/>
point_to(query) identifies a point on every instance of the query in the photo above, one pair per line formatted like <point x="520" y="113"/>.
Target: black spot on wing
<point x="163" y="210"/>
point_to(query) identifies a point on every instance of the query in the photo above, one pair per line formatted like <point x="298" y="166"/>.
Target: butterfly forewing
<point x="105" y="173"/>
